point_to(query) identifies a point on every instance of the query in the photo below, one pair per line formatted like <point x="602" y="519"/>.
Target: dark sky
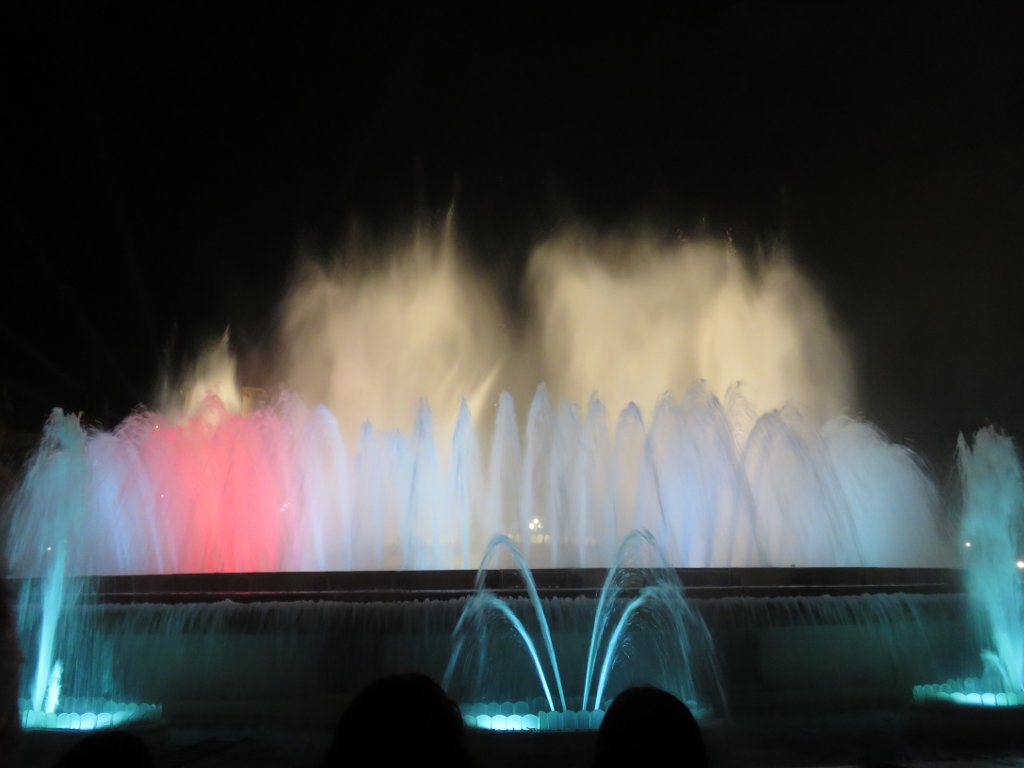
<point x="168" y="160"/>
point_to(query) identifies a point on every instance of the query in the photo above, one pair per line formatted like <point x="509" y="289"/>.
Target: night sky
<point x="169" y="162"/>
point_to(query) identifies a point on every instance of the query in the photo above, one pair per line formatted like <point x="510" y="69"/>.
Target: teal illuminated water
<point x="992" y="548"/>
<point x="643" y="630"/>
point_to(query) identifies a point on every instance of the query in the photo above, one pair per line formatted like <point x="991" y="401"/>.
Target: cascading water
<point x="640" y="604"/>
<point x="992" y="536"/>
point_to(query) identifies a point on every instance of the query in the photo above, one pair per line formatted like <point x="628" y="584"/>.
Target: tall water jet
<point x="58" y="463"/>
<point x="993" y="524"/>
<point x="992" y="537"/>
<point x="70" y="685"/>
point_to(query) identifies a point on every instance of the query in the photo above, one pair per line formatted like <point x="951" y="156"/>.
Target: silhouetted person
<point x="400" y="720"/>
<point x="107" y="749"/>
<point x="646" y="726"/>
<point x="10" y="661"/>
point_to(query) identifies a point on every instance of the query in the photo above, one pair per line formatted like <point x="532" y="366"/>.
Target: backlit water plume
<point x="628" y="318"/>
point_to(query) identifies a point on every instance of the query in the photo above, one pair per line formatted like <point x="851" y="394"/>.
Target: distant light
<point x="1020" y="564"/>
<point x="156" y="426"/>
<point x="49" y="549"/>
<point x="967" y="544"/>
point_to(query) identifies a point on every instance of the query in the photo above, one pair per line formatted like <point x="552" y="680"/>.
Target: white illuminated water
<point x="280" y="490"/>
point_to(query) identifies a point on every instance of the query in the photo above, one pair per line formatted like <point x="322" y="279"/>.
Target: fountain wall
<point x="256" y="659"/>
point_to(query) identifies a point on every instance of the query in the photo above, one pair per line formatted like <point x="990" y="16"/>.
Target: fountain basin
<point x="292" y="649"/>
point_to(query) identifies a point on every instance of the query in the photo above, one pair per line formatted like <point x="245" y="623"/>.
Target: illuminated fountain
<point x="278" y="490"/>
<point x="294" y="486"/>
<point x="641" y="622"/>
<point x="992" y="532"/>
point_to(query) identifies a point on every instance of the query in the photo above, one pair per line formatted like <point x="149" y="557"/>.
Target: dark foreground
<point x="866" y="740"/>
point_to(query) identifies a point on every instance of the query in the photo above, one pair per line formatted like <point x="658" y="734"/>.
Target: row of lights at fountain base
<point x="955" y="692"/>
<point x="88" y="714"/>
<point x="529" y="716"/>
<point x="542" y="721"/>
<point x="1019" y="563"/>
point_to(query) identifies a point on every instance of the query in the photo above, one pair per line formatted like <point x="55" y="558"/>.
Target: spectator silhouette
<point x="400" y="720"/>
<point x="107" y="749"/>
<point x="649" y="727"/>
<point x="10" y="663"/>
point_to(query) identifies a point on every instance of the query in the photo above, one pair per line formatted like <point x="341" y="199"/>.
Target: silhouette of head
<point x="109" y="749"/>
<point x="400" y="720"/>
<point x="10" y="666"/>
<point x="649" y="727"/>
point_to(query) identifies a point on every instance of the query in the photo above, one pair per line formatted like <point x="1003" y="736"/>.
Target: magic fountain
<point x="277" y="491"/>
<point x="787" y="533"/>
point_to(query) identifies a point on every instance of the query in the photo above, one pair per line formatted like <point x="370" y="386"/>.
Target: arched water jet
<point x="639" y="560"/>
<point x="502" y="543"/>
<point x="475" y="612"/>
<point x="678" y="630"/>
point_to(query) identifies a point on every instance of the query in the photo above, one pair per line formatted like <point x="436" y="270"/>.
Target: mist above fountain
<point x="630" y="317"/>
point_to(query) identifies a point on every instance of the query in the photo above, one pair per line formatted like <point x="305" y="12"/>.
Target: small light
<point x="1020" y="564"/>
<point x="49" y="549"/>
<point x="156" y="426"/>
<point x="967" y="544"/>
